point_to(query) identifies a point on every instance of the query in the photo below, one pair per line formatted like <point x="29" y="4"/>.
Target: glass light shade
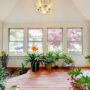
<point x="44" y="6"/>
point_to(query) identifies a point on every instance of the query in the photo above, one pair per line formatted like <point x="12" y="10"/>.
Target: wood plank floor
<point x="42" y="80"/>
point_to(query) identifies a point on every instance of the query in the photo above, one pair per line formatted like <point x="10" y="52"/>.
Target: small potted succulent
<point x="67" y="61"/>
<point x="49" y="60"/>
<point x="3" y="71"/>
<point x="57" y="57"/>
<point x="79" y="81"/>
<point x="33" y="58"/>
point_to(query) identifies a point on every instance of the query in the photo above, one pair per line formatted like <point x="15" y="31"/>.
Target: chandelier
<point x="44" y="6"/>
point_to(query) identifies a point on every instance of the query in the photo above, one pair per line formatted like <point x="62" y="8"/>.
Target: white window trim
<point x="76" y="41"/>
<point x="16" y="41"/>
<point x="55" y="41"/>
<point x="45" y="39"/>
<point x="35" y="41"/>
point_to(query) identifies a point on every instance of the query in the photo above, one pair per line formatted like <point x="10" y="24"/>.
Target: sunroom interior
<point x="44" y="44"/>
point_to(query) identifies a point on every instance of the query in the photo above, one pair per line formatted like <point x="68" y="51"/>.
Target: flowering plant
<point x="79" y="81"/>
<point x="34" y="59"/>
<point x="33" y="56"/>
<point x="34" y="48"/>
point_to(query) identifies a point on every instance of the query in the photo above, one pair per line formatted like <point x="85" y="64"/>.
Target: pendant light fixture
<point x="44" y="7"/>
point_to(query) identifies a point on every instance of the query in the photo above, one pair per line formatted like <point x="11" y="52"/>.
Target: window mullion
<point x="45" y="42"/>
<point x="25" y="40"/>
<point x="64" y="43"/>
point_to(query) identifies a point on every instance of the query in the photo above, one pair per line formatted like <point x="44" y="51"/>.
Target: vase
<point x="35" y="66"/>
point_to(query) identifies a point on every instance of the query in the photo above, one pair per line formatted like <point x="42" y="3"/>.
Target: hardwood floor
<point x="42" y="80"/>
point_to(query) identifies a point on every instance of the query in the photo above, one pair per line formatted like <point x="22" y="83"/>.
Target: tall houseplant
<point x="57" y="57"/>
<point x="49" y="60"/>
<point x="33" y="58"/>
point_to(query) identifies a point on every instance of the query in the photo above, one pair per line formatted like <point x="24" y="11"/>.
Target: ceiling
<point x="22" y="11"/>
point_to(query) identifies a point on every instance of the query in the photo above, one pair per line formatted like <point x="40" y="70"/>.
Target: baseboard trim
<point x="43" y="67"/>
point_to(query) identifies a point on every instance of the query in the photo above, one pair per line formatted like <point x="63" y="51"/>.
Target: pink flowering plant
<point x="79" y="81"/>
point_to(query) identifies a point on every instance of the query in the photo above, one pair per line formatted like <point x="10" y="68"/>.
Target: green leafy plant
<point x="84" y="80"/>
<point x="3" y="71"/>
<point x="75" y="73"/>
<point x="78" y="80"/>
<point x="67" y="59"/>
<point x="50" y="58"/>
<point x="57" y="56"/>
<point x="23" y="66"/>
<point x="32" y="58"/>
<point x="88" y="58"/>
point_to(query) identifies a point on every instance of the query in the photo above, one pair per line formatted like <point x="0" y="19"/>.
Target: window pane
<point x="15" y="48"/>
<point x="55" y="46"/>
<point x="36" y="44"/>
<point x="74" y="47"/>
<point x="35" y="35"/>
<point x="16" y="34"/>
<point x="55" y="35"/>
<point x="74" y="34"/>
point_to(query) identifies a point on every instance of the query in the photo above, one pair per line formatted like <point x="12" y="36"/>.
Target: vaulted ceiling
<point x="22" y="11"/>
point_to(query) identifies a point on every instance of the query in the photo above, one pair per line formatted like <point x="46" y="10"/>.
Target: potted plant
<point x="2" y="73"/>
<point x="33" y="58"/>
<point x="22" y="70"/>
<point x="57" y="57"/>
<point x="67" y="61"/>
<point x="49" y="60"/>
<point x="79" y="81"/>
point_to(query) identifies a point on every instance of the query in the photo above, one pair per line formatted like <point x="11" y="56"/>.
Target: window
<point x="35" y="40"/>
<point x="74" y="41"/>
<point x="16" y="38"/>
<point x="54" y="39"/>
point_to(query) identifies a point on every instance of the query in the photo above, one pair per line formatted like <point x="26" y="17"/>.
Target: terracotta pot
<point x="2" y="53"/>
<point x="74" y="88"/>
<point x="48" y="66"/>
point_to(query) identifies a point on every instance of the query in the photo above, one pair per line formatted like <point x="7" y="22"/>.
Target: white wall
<point x="0" y="36"/>
<point x="79" y="59"/>
<point x="89" y="38"/>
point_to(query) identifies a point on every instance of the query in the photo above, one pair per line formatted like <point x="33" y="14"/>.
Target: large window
<point x="22" y="40"/>
<point x="54" y="39"/>
<point x="74" y="41"/>
<point x="35" y="40"/>
<point x="16" y="44"/>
